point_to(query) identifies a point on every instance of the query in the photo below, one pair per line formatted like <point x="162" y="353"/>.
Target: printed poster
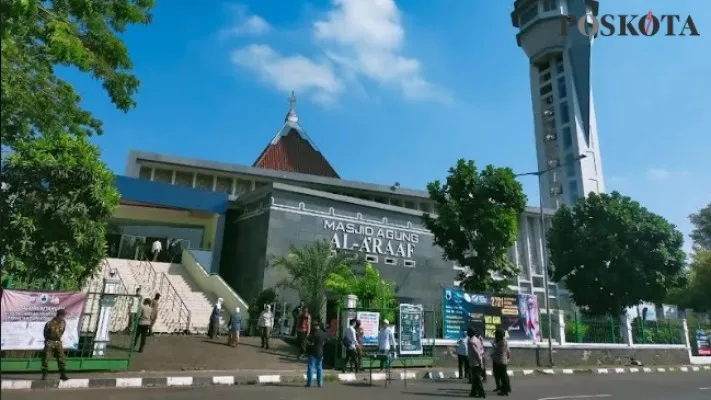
<point x="23" y="315"/>
<point x="411" y="324"/>
<point x="370" y="322"/>
<point x="703" y="342"/>
<point x="517" y="314"/>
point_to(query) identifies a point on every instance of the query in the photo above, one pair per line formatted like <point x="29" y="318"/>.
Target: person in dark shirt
<point x="53" y="332"/>
<point x="315" y="342"/>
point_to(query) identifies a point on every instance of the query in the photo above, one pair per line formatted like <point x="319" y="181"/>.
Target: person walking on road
<point x="53" y="332"/>
<point x="144" y="325"/>
<point x="303" y="330"/>
<point x="500" y="357"/>
<point x="235" y="326"/>
<point x="265" y="324"/>
<point x="462" y="360"/>
<point x="314" y="349"/>
<point x="475" y="353"/>
<point x="350" y="342"/>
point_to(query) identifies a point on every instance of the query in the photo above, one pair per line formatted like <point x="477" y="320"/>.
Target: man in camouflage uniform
<point x="53" y="331"/>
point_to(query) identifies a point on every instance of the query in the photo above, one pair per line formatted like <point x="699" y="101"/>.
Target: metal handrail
<point x="147" y="266"/>
<point x="174" y="292"/>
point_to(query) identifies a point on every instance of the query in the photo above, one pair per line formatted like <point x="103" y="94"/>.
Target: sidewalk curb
<point x="230" y="380"/>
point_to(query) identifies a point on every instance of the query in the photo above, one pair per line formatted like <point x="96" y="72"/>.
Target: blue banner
<point x="516" y="314"/>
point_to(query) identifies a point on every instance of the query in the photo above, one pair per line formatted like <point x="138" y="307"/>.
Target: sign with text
<point x="370" y="322"/>
<point x="703" y="342"/>
<point x="24" y="314"/>
<point x="411" y="323"/>
<point x="647" y="24"/>
<point x="517" y="314"/>
<point x="371" y="239"/>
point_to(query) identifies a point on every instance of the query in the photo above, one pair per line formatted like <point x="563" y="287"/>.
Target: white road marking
<point x="705" y="388"/>
<point x="583" y="396"/>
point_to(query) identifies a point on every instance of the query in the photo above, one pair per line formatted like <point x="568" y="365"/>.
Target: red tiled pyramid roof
<point x="292" y="150"/>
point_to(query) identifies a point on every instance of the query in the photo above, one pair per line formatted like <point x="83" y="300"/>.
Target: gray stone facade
<point x="393" y="239"/>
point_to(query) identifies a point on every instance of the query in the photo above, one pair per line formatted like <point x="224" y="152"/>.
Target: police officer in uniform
<point x="53" y="331"/>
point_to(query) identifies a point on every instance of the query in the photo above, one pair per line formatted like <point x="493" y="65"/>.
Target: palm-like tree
<point x="309" y="269"/>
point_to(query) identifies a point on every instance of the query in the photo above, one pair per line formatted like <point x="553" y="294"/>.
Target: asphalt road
<point x="675" y="386"/>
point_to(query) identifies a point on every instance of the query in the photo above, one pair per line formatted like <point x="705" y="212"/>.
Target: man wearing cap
<point x="53" y="332"/>
<point x="386" y="344"/>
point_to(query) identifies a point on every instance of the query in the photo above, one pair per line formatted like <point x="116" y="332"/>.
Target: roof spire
<point x="291" y="115"/>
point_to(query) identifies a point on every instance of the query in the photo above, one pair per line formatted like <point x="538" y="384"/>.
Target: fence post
<point x="685" y="334"/>
<point x="642" y="332"/>
<point x="612" y="329"/>
<point x="578" y="338"/>
<point x="106" y="308"/>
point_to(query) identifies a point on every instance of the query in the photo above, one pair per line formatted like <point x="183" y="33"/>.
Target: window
<point x="562" y="92"/>
<point x="528" y="15"/>
<point x="242" y="187"/>
<point x="390" y="261"/>
<point x="533" y="246"/>
<point x="567" y="138"/>
<point x="203" y="181"/>
<point x="520" y="252"/>
<point x="573" y="191"/>
<point x="163" y="175"/>
<point x="184" y="178"/>
<point x="371" y="258"/>
<point x="559" y="66"/>
<point x="410" y="204"/>
<point x="145" y="173"/>
<point x="550" y="5"/>
<point x="396" y="202"/>
<point x="569" y="165"/>
<point x="409" y="263"/>
<point x="537" y="282"/>
<point x="258" y="185"/>
<point x="545" y="77"/>
<point x="224" y="185"/>
<point x="425" y="207"/>
<point x="564" y="113"/>
<point x="546" y="89"/>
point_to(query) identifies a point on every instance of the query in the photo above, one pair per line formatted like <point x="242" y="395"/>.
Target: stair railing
<point x="176" y="305"/>
<point x="146" y="273"/>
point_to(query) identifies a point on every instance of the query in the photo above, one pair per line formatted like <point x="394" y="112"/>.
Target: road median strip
<point x="225" y="379"/>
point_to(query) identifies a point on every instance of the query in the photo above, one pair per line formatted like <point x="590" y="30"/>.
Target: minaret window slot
<point x="559" y="67"/>
<point x="562" y="92"/>
<point x="546" y="89"/>
<point x="553" y="163"/>
<point x="564" y="113"/>
<point x="550" y="5"/>
<point x="545" y="77"/>
<point x="570" y="165"/>
<point x="567" y="138"/>
<point x="551" y="137"/>
<point x="528" y="15"/>
<point x="556" y="190"/>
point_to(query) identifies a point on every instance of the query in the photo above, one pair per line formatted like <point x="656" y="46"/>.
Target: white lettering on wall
<point x="368" y="239"/>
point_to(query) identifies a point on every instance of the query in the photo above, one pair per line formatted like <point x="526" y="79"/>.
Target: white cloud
<point x="294" y="72"/>
<point x="363" y="40"/>
<point x="367" y="38"/>
<point x="246" y="24"/>
<point x="658" y="174"/>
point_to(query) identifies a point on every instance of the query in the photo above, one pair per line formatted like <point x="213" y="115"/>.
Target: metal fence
<point x="89" y="354"/>
<point x="665" y="331"/>
<point x="580" y="328"/>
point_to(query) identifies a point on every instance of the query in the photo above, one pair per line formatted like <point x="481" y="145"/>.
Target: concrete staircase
<point x="183" y="308"/>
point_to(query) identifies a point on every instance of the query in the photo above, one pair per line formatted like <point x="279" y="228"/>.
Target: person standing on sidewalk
<point x="295" y="314"/>
<point x="154" y="312"/>
<point x="360" y="336"/>
<point x="235" y="326"/>
<point x="500" y="357"/>
<point x="265" y="324"/>
<point x="303" y="330"/>
<point x="53" y="332"/>
<point x="350" y="342"/>
<point x="386" y="344"/>
<point x="475" y="353"/>
<point x="462" y="360"/>
<point x="144" y="324"/>
<point x="315" y="342"/>
<point x="133" y="309"/>
<point x="483" y="358"/>
<point x="215" y="318"/>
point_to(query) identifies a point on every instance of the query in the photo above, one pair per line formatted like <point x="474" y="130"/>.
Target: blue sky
<point x="397" y="91"/>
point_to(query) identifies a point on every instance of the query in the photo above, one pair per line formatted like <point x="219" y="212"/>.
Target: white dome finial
<point x="291" y="115"/>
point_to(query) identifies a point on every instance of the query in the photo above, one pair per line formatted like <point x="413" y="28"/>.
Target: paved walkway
<point x="613" y="387"/>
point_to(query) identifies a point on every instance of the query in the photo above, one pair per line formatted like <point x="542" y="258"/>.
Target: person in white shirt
<point x="265" y="324"/>
<point x="462" y="359"/>
<point x="156" y="248"/>
<point x="386" y="343"/>
<point x="350" y="342"/>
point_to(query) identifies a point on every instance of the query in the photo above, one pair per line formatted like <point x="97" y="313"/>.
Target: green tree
<point x="695" y="294"/>
<point x="309" y="268"/>
<point x="701" y="235"/>
<point x="371" y="289"/>
<point x="39" y="35"/>
<point x="477" y="222"/>
<point x="612" y="253"/>
<point x="57" y="199"/>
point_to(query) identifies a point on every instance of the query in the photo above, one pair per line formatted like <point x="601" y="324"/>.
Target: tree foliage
<point x="701" y="235"/>
<point x="696" y="294"/>
<point x="367" y="284"/>
<point x="477" y="222"/>
<point x="39" y="35"/>
<point x="57" y="199"/>
<point x="612" y="253"/>
<point x="309" y="268"/>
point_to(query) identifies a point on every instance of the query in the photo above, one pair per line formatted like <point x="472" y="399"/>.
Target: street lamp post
<point x="539" y="175"/>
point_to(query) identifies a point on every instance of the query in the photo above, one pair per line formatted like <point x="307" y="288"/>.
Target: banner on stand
<point x="24" y="314"/>
<point x="369" y="322"/>
<point x="411" y="328"/>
